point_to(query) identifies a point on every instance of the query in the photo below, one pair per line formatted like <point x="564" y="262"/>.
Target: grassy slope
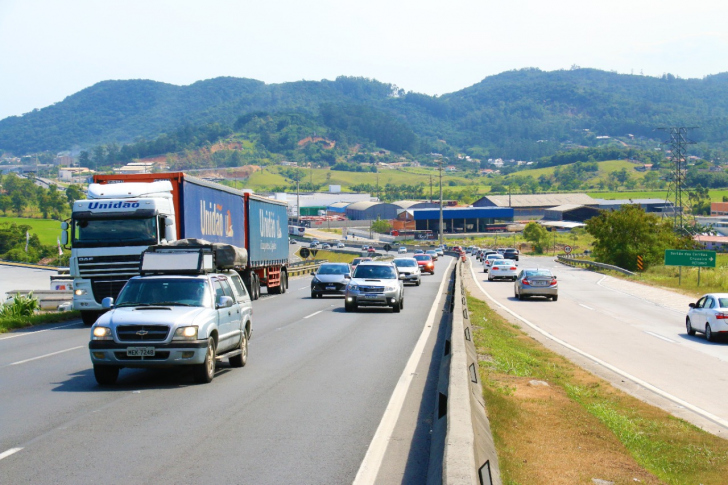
<point x="46" y="229"/>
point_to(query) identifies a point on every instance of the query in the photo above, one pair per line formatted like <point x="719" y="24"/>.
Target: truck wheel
<point x="89" y="318"/>
<point x="242" y="359"/>
<point x="284" y="281"/>
<point x="106" y="375"/>
<point x="204" y="372"/>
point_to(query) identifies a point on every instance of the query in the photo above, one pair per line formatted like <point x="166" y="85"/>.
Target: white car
<point x="709" y="316"/>
<point x="410" y="269"/>
<point x="489" y="260"/>
<point x="504" y="269"/>
<point x="402" y="250"/>
<point x="340" y="245"/>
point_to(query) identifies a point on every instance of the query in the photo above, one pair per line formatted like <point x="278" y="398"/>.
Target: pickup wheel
<point x="242" y="359"/>
<point x="349" y="307"/>
<point x="106" y="375"/>
<point x="89" y="318"/>
<point x="204" y="372"/>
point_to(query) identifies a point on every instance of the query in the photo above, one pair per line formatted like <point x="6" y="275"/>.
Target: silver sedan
<point x="536" y="282"/>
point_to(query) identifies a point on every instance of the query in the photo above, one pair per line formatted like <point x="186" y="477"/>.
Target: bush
<point x="22" y="306"/>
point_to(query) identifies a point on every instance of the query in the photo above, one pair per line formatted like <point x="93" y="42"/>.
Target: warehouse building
<point x="461" y="219"/>
<point x="649" y="205"/>
<point x="571" y="212"/>
<point x="369" y="211"/>
<point x="534" y="205"/>
<point x="416" y="204"/>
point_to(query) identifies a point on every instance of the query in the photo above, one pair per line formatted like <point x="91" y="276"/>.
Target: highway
<point x="304" y="409"/>
<point x="631" y="334"/>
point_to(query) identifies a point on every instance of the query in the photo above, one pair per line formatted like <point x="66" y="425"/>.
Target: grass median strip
<point x="554" y="422"/>
<point x="7" y="324"/>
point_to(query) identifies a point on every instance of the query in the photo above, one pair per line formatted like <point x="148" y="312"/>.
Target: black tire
<point x="397" y="307"/>
<point x="284" y="281"/>
<point x="89" y="318"/>
<point x="419" y="282"/>
<point x="689" y="327"/>
<point x="313" y="294"/>
<point x="242" y="359"/>
<point x="555" y="298"/>
<point x="106" y="375"/>
<point x="203" y="373"/>
<point x="349" y="307"/>
<point x="401" y="304"/>
<point x="257" y="287"/>
<point x="709" y="336"/>
<point x="521" y="296"/>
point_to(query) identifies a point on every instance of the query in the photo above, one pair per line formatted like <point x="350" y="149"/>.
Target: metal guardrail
<point x="571" y="260"/>
<point x="305" y="267"/>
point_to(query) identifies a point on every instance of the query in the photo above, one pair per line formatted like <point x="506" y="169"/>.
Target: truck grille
<point x="104" y="288"/>
<point x="106" y="266"/>
<point x="142" y="333"/>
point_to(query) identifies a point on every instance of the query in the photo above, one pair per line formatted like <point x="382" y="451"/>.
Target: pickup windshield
<point x="114" y="232"/>
<point x="165" y="292"/>
<point x="378" y="272"/>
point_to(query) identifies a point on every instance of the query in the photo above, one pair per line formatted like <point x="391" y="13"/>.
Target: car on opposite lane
<point x="330" y="279"/>
<point x="410" y="269"/>
<point x="709" y="316"/>
<point x="402" y="250"/>
<point x="536" y="282"/>
<point x="375" y="283"/>
<point x="340" y="245"/>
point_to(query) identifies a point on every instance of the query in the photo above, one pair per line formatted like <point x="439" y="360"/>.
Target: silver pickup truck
<point x="165" y="318"/>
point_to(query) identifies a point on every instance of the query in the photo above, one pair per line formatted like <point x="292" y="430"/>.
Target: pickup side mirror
<point x="692" y="305"/>
<point x="224" y="302"/>
<point x="347" y="276"/>
<point x="402" y="276"/>
<point x="107" y="303"/>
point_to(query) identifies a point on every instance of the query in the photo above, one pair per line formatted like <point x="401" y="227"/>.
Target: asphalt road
<point x="304" y="409"/>
<point x="638" y="330"/>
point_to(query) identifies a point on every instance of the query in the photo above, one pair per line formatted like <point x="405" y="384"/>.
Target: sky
<point x="50" y="49"/>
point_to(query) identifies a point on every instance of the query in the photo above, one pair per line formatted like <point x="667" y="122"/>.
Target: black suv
<point x="511" y="254"/>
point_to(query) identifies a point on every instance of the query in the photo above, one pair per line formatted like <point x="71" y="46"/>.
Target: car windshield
<point x="423" y="257"/>
<point x="375" y="271"/>
<point x="405" y="263"/>
<point x="165" y="291"/>
<point x="333" y="269"/>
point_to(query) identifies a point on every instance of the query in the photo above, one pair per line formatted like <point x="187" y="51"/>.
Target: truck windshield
<point x="114" y="232"/>
<point x="165" y="292"/>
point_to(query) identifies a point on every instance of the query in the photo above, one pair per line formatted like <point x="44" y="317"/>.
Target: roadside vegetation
<point x="22" y="312"/>
<point x="555" y="423"/>
<point x="331" y="256"/>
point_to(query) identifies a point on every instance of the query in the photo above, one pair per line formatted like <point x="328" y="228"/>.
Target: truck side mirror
<point x="64" y="238"/>
<point x="107" y="303"/>
<point x="169" y="233"/>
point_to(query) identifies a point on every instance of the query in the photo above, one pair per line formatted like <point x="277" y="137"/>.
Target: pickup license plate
<point x="140" y="351"/>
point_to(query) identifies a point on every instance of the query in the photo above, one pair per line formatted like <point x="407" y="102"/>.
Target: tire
<point x="204" y="372"/>
<point x="401" y="304"/>
<point x="521" y="297"/>
<point x="349" y="307"/>
<point x="284" y="281"/>
<point x="689" y="327"/>
<point x="555" y="298"/>
<point x="709" y="336"/>
<point x="397" y="307"/>
<point x="489" y="278"/>
<point x="419" y="282"/>
<point x="89" y="318"/>
<point x="257" y="287"/>
<point x="106" y="375"/>
<point x="313" y="294"/>
<point x="242" y="359"/>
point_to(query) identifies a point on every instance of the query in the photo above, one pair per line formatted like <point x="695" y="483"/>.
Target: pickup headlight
<point x="101" y="333"/>
<point x="353" y="287"/>
<point x="185" y="333"/>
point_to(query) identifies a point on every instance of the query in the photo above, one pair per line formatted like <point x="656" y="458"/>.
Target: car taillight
<point x="513" y="268"/>
<point x="525" y="282"/>
<point x="495" y="268"/>
<point x="553" y="282"/>
<point x="721" y="316"/>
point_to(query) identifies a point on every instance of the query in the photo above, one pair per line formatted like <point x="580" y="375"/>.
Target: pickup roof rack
<point x="191" y="256"/>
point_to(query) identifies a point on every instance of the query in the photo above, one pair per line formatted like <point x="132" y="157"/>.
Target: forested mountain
<point x="524" y="114"/>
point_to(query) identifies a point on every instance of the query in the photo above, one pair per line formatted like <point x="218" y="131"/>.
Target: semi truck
<point x="124" y="214"/>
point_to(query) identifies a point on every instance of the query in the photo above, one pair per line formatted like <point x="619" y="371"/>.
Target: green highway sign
<point x="684" y="257"/>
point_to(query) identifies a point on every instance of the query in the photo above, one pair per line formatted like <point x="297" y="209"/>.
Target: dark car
<point x="330" y="279"/>
<point x="511" y="253"/>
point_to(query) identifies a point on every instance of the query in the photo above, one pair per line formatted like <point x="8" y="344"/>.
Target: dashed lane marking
<point x="11" y="451"/>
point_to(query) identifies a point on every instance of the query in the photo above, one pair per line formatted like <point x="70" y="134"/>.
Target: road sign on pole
<point x="304" y="252"/>
<point x="567" y="249"/>
<point x="387" y="247"/>
<point x="314" y="252"/>
<point x="684" y="257"/>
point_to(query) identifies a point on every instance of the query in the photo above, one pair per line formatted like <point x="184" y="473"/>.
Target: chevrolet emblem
<point x="142" y="333"/>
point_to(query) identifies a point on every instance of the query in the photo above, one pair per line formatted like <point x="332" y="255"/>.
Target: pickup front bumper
<point x="107" y="352"/>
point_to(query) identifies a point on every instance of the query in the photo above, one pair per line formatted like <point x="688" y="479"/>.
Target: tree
<point x="73" y="193"/>
<point x="622" y="235"/>
<point x="6" y="203"/>
<point x="380" y="226"/>
<point x="537" y="235"/>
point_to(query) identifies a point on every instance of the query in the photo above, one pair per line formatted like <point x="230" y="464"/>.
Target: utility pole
<point x="678" y="148"/>
<point x="298" y="200"/>
<point x="439" y="164"/>
<point x="430" y="188"/>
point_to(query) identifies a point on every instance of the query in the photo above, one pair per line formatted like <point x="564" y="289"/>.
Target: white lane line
<point x="659" y="336"/>
<point x="304" y="288"/>
<point x="46" y="355"/>
<point x="313" y="314"/>
<point x="11" y="451"/>
<point x="636" y="380"/>
<point x="369" y="468"/>
<point x="26" y="334"/>
<point x="587" y="307"/>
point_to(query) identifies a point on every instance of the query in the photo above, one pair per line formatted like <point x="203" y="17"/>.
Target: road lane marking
<point x="369" y="468"/>
<point x="46" y="355"/>
<point x="305" y="287"/>
<point x="659" y="336"/>
<point x="313" y="314"/>
<point x="25" y="334"/>
<point x="701" y="412"/>
<point x="587" y="307"/>
<point x="11" y="451"/>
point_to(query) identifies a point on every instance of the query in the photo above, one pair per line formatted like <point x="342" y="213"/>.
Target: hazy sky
<point x="50" y="49"/>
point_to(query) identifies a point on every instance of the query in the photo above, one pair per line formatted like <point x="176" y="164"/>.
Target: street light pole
<point x="441" y="228"/>
<point x="298" y="201"/>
